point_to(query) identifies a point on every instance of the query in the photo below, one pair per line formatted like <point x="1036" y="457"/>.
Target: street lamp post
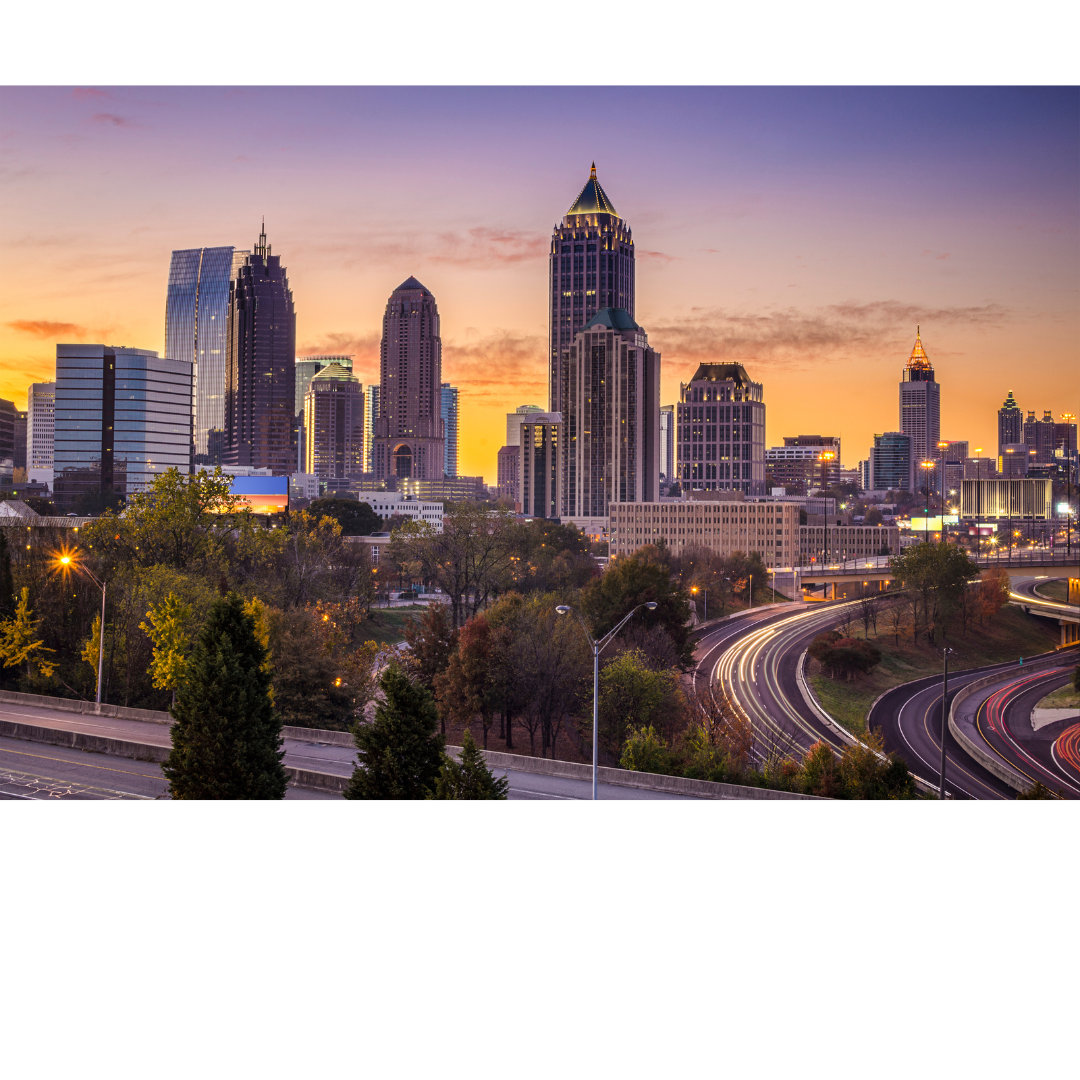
<point x="944" y="717"/>
<point x="705" y="601"/>
<point x="68" y="561"/>
<point x="597" y="648"/>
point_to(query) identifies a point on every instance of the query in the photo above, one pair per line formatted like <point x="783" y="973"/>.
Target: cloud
<point x="364" y="348"/>
<point x="83" y="93"/>
<point x="656" y="256"/>
<point x="484" y="248"/>
<point x="112" y="118"/>
<point x="505" y="362"/>
<point x="43" y="328"/>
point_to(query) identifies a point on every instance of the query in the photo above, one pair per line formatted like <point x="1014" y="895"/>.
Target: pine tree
<point x="400" y="753"/>
<point x="469" y="778"/>
<point x="227" y="737"/>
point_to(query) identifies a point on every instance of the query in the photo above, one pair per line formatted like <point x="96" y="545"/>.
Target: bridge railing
<point x="1017" y="561"/>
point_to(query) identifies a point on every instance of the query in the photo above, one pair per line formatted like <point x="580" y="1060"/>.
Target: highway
<point x="1022" y="590"/>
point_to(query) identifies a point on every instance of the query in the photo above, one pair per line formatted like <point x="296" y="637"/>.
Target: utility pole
<point x="944" y="717"/>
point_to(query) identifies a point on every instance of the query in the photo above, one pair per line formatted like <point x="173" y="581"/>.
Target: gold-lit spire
<point x="592" y="172"/>
<point x="592" y="199"/>
<point x="918" y="359"/>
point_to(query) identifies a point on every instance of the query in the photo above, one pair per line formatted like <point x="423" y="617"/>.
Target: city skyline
<point x="788" y="232"/>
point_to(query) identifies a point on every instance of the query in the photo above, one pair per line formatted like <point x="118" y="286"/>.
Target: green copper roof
<point x="334" y="371"/>
<point x="592" y="199"/>
<point x="615" y="318"/>
<point x="721" y="373"/>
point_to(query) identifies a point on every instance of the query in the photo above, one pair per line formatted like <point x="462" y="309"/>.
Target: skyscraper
<point x="196" y="328"/>
<point x="123" y="416"/>
<point x="890" y="462"/>
<point x="19" y="457"/>
<point x="334" y="424"/>
<point x="721" y="431"/>
<point x="514" y="421"/>
<point x="40" y="419"/>
<point x="1010" y="424"/>
<point x="449" y="414"/>
<point x="409" y="436"/>
<point x="8" y="413"/>
<point x="306" y="368"/>
<point x="612" y="418"/>
<point x="667" y="442"/>
<point x="920" y="408"/>
<point x="1040" y="438"/>
<point x="591" y="268"/>
<point x="539" y="464"/>
<point x="260" y="394"/>
<point x="371" y="411"/>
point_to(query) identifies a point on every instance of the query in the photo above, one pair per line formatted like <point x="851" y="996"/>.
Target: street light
<point x="66" y="562"/>
<point x="705" y="600"/>
<point x="944" y="717"/>
<point x="597" y="648"/>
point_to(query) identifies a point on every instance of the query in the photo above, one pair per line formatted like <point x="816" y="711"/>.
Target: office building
<point x="1040" y="437"/>
<point x="720" y="436"/>
<point x="920" y="412"/>
<point x="260" y="390"/>
<point x="444" y="488"/>
<point x="8" y="413"/>
<point x="825" y="542"/>
<point x="514" y="421"/>
<point x="980" y="468"/>
<point x="448" y="410"/>
<point x="890" y="462"/>
<point x="18" y="457"/>
<point x="122" y="417"/>
<point x="1013" y="462"/>
<point x="591" y="268"/>
<point x="388" y="504"/>
<point x="306" y="368"/>
<point x="667" y="443"/>
<point x="196" y="331"/>
<point x="1010" y="424"/>
<point x="722" y="521"/>
<point x="805" y="463"/>
<point x="507" y="485"/>
<point x="409" y="440"/>
<point x="40" y="418"/>
<point x="540" y="465"/>
<point x="334" y="424"/>
<point x="1006" y="499"/>
<point x="612" y="419"/>
<point x="371" y="412"/>
<point x="864" y="475"/>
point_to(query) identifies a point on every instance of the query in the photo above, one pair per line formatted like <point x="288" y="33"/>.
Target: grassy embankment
<point x="387" y="625"/>
<point x="1057" y="589"/>
<point x="1063" y="698"/>
<point x="1008" y="636"/>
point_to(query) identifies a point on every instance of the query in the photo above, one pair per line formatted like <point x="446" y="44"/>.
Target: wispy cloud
<point x="112" y="118"/>
<point x="484" y="248"/>
<point x="85" y="93"/>
<point x="493" y="365"/>
<point x="44" y="328"/>
<point x="656" y="257"/>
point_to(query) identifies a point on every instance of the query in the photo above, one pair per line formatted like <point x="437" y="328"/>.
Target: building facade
<point x="196" y="331"/>
<point x="591" y="268"/>
<point x="305" y="370"/>
<point x="122" y="417"/>
<point x="1013" y="462"/>
<point x="8" y="413"/>
<point x="804" y="462"/>
<point x="1040" y="437"/>
<point x="371" y="411"/>
<point x="18" y="457"/>
<point x="507" y="484"/>
<point x="514" y="421"/>
<point x="387" y="504"/>
<point x="334" y="424"/>
<point x="667" y="443"/>
<point x="409" y="440"/>
<point x="719" y="520"/>
<point x="1014" y="500"/>
<point x="540" y="465"/>
<point x="890" y="462"/>
<point x="260" y="389"/>
<point x="920" y="410"/>
<point x="40" y="425"/>
<point x="448" y="410"/>
<point x="1010" y="424"/>
<point x="824" y="543"/>
<point x="720" y="437"/>
<point x="612" y="419"/>
<point x="444" y="488"/>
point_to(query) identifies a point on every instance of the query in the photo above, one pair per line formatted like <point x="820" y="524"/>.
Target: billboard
<point x="262" y="494"/>
<point x="933" y="523"/>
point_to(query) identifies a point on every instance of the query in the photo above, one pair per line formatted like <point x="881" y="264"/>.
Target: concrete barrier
<point x="676" y="785"/>
<point x="90" y="708"/>
<point x="319" y="735"/>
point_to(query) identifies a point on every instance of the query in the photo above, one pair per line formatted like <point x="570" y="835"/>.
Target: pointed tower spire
<point x="592" y="173"/>
<point x="260" y="248"/>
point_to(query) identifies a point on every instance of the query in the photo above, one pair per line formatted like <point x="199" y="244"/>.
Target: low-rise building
<point x="388" y="503"/>
<point x="830" y="542"/>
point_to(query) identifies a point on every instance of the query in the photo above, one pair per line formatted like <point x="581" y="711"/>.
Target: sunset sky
<point x="802" y="232"/>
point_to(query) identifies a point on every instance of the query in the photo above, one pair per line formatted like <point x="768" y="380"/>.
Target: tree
<point x="934" y="576"/>
<point x="7" y="584"/>
<point x="632" y="695"/>
<point x="1038" y="790"/>
<point x="20" y="643"/>
<point x="431" y="639"/>
<point x="469" y="778"/>
<point x="866" y="772"/>
<point x="355" y="518"/>
<point x="897" y="620"/>
<point x="400" y="753"/>
<point x="169" y="631"/>
<point x="645" y="751"/>
<point x="842" y="656"/>
<point x="720" y="734"/>
<point x="227" y="737"/>
<point x="821" y="775"/>
<point x="467" y="688"/>
<point x="994" y="588"/>
<point x="873" y="516"/>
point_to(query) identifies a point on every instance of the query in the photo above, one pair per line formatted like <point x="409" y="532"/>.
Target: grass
<point x="1056" y="589"/>
<point x="387" y="625"/>
<point x="1064" y="697"/>
<point x="1008" y="636"/>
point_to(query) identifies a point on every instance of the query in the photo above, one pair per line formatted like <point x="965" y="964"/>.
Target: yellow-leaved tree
<point x="19" y="641"/>
<point x="169" y="630"/>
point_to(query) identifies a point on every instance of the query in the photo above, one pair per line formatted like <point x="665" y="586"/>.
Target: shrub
<point x="645" y="751"/>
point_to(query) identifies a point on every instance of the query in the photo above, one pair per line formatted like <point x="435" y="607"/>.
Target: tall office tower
<point x="890" y="462"/>
<point x="7" y="437"/>
<point x="260" y="392"/>
<point x="334" y="424"/>
<point x="371" y="413"/>
<point x="864" y="475"/>
<point x="514" y="421"/>
<point x="306" y="367"/>
<point x="40" y="417"/>
<point x="19" y="456"/>
<point x="612" y="418"/>
<point x="196" y="327"/>
<point x="721" y="431"/>
<point x="1010" y="424"/>
<point x="920" y="408"/>
<point x="123" y="416"/>
<point x="667" y="442"/>
<point x="409" y="436"/>
<point x="540" y="464"/>
<point x="1013" y="461"/>
<point x="449" y="412"/>
<point x="507" y="468"/>
<point x="1039" y="436"/>
<point x="823" y="469"/>
<point x="1065" y="443"/>
<point x="591" y="268"/>
<point x="956" y="453"/>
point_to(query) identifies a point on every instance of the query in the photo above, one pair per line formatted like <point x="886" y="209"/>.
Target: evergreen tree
<point x="7" y="585"/>
<point x="227" y="737"/>
<point x="400" y="753"/>
<point x="469" y="778"/>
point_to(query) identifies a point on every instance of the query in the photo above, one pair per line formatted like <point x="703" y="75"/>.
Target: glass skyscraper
<point x="196" y="317"/>
<point x="450" y="426"/>
<point x="307" y="367"/>
<point x="371" y="414"/>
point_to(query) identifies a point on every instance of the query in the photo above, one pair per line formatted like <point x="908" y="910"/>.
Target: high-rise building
<point x="955" y="453"/>
<point x="196" y="331"/>
<point x="1013" y="461"/>
<point x="1010" y="424"/>
<point x="19" y="456"/>
<point x="448" y="410"/>
<point x="508" y="466"/>
<point x="334" y="424"/>
<point x="260" y="391"/>
<point x="514" y="421"/>
<point x="123" y="416"/>
<point x="864" y="475"/>
<point x="612" y="418"/>
<point x="721" y="431"/>
<point x="591" y="268"/>
<point x="920" y="409"/>
<point x="1040" y="437"/>
<point x="890" y="462"/>
<point x="7" y="438"/>
<point x="40" y="419"/>
<point x="306" y="369"/>
<point x="667" y="442"/>
<point x="540" y="465"/>
<point x="371" y="412"/>
<point x="804" y="462"/>
<point x="409" y="436"/>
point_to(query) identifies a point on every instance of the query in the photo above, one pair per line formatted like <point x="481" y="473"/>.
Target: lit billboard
<point x="262" y="494"/>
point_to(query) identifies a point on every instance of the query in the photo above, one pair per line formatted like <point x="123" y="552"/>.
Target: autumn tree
<point x="355" y="518"/>
<point x="21" y="643"/>
<point x="169" y="629"/>
<point x="432" y="639"/>
<point x="994" y="588"/>
<point x="632" y="695"/>
<point x="466" y="689"/>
